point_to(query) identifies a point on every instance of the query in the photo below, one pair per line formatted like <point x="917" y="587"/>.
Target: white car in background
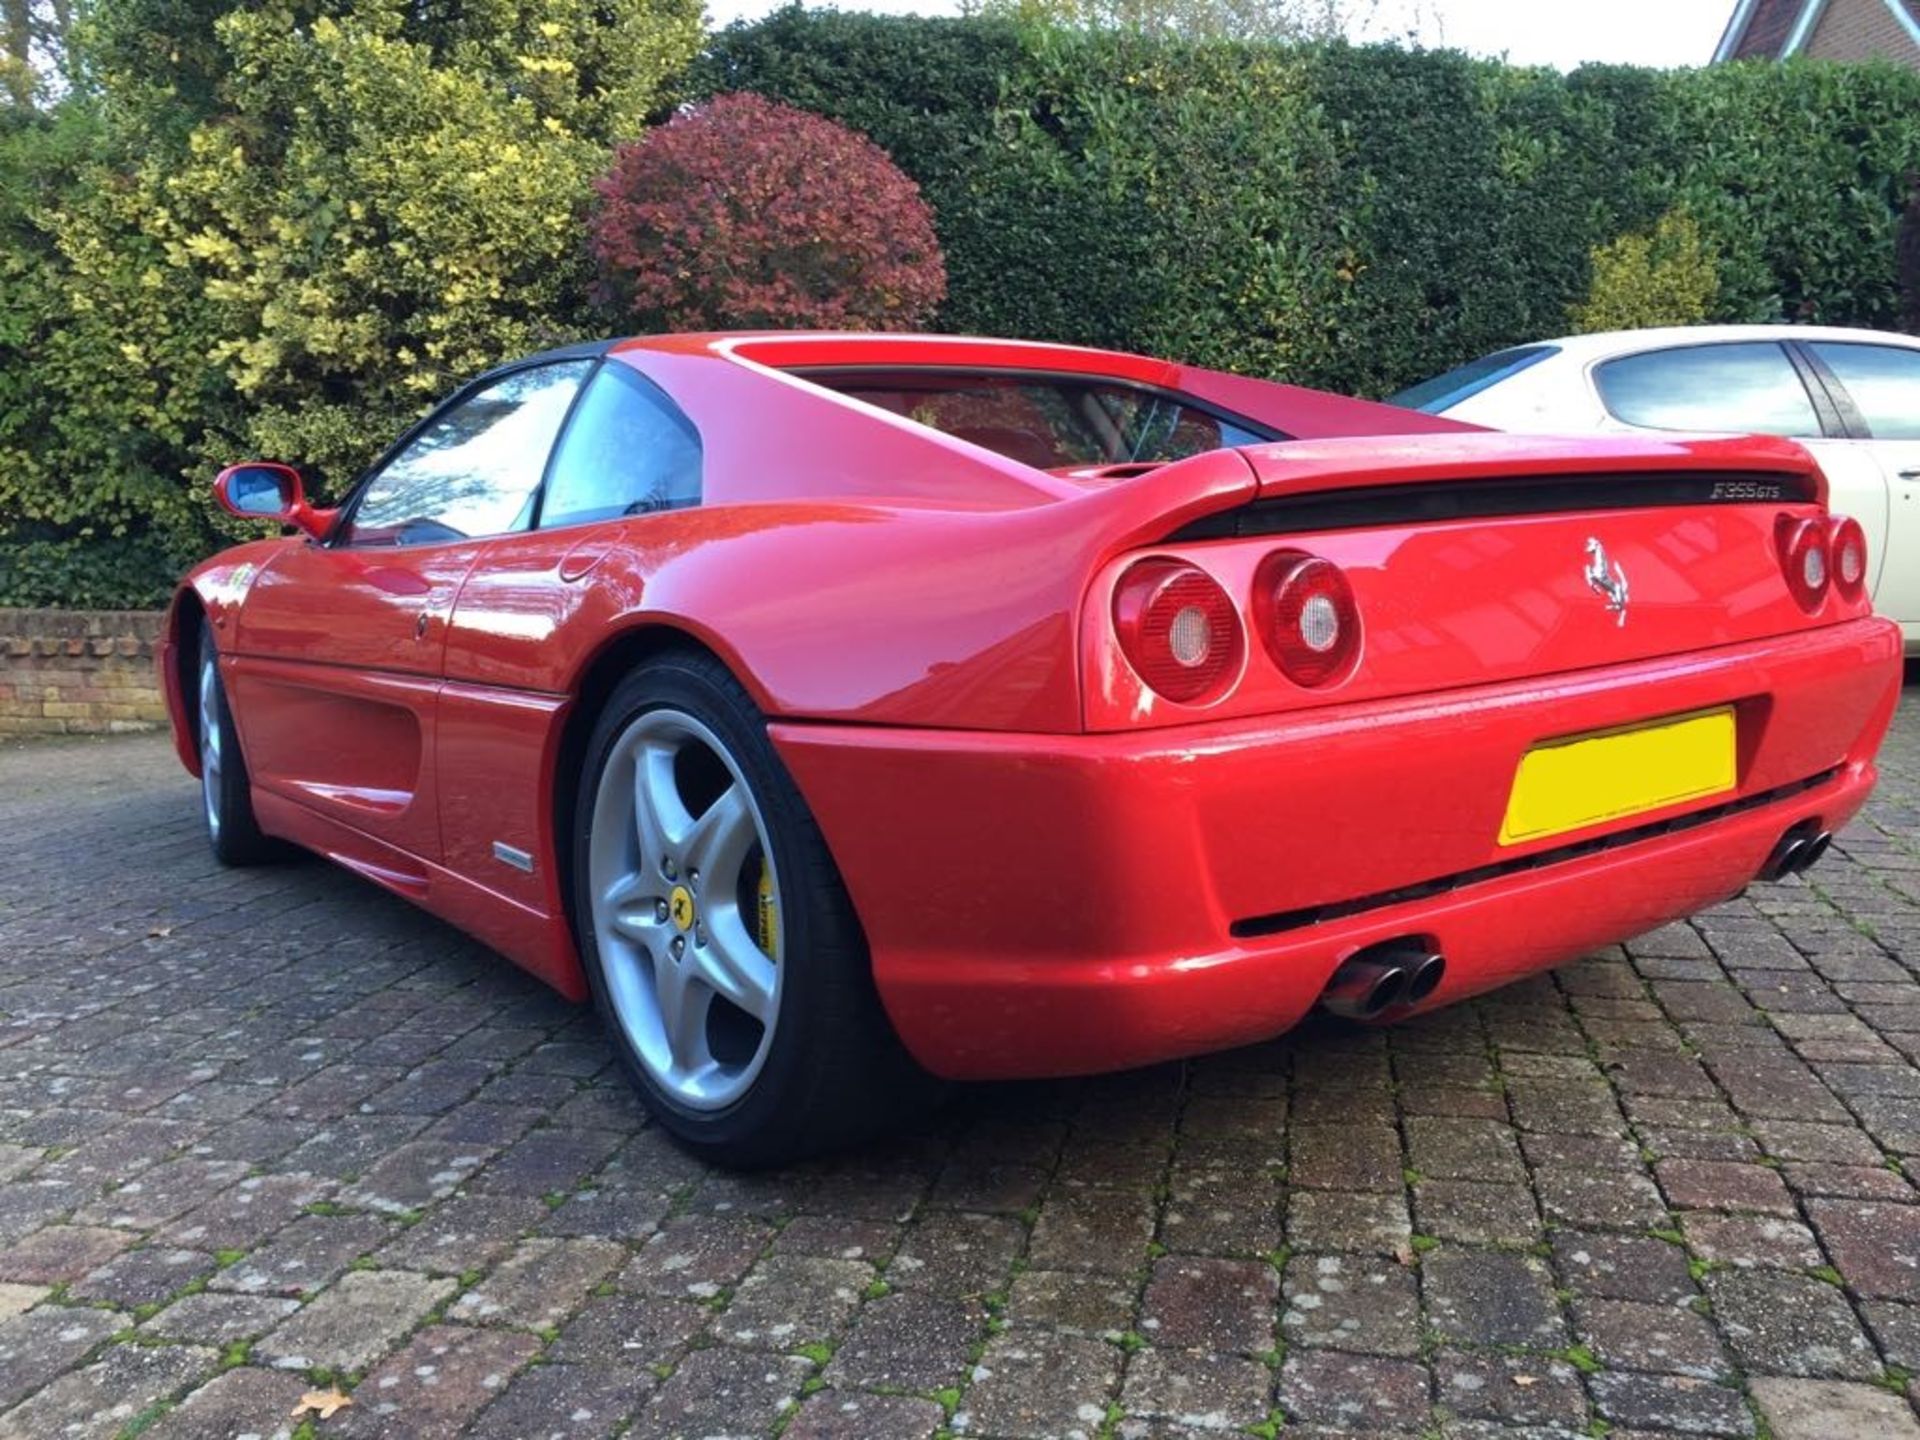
<point x="1852" y="396"/>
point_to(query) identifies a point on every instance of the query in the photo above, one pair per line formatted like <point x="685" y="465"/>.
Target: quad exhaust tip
<point x="1364" y="987"/>
<point x="1383" y="978"/>
<point x="1796" y="852"/>
<point x="1784" y="859"/>
<point x="1815" y="849"/>
<point x="1426" y="978"/>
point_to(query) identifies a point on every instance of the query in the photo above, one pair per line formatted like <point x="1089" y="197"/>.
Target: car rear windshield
<point x="1051" y="422"/>
<point x="1443" y="392"/>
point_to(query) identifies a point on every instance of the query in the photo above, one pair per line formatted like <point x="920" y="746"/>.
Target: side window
<point x="474" y="471"/>
<point x="1748" y="387"/>
<point x="1159" y="427"/>
<point x="1884" y="381"/>
<point x="628" y="451"/>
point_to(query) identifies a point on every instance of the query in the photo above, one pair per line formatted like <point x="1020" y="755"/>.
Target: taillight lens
<point x="1847" y="546"/>
<point x="1178" y="629"/>
<point x="1307" y="617"/>
<point x="1805" y="558"/>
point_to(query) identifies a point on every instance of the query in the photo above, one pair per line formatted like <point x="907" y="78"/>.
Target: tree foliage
<point x="292" y="227"/>
<point x="1352" y="217"/>
<point x="33" y="50"/>
<point x="1284" y="21"/>
<point x="594" y="66"/>
<point x="92" y="505"/>
<point x="1667" y="277"/>
<point x="746" y="214"/>
<point x="282" y="228"/>
<point x="1908" y="250"/>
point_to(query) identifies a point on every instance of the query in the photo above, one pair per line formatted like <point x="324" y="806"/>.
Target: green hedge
<point x="282" y="231"/>
<point x="1356" y="218"/>
<point x="213" y="256"/>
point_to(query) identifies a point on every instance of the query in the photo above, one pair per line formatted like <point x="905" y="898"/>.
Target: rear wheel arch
<point x="834" y="1070"/>
<point x="613" y="662"/>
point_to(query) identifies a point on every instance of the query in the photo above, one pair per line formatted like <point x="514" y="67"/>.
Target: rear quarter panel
<point x="962" y="615"/>
<point x="822" y="610"/>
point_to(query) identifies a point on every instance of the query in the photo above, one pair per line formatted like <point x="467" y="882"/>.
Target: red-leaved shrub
<point x="747" y="214"/>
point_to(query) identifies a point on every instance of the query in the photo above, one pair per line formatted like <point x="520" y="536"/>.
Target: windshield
<point x="1051" y="422"/>
<point x="1443" y="392"/>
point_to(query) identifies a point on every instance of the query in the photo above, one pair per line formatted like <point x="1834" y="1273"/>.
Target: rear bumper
<point x="1051" y="905"/>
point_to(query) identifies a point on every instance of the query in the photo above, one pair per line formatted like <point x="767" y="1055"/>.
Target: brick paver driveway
<point x="272" y="1132"/>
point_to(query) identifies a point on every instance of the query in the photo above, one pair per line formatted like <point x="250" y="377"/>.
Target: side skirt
<point x="537" y="942"/>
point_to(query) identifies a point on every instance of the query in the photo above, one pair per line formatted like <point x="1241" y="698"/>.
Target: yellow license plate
<point x="1584" y="780"/>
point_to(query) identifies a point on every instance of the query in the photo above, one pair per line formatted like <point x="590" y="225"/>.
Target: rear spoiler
<point x="1304" y="486"/>
<point x="1435" y="502"/>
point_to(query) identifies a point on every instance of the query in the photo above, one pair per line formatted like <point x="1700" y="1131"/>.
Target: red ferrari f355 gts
<point x="835" y="710"/>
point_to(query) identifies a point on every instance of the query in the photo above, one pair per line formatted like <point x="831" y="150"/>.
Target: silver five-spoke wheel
<point x="686" y="909"/>
<point x="210" y="741"/>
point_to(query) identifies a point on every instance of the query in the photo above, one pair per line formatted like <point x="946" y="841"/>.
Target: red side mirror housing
<point x="268" y="490"/>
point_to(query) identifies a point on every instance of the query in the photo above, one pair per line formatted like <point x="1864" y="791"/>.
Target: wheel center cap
<point x="680" y="907"/>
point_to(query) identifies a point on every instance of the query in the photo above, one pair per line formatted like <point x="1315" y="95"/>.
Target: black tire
<point x="833" y="1072"/>
<point x="226" y="794"/>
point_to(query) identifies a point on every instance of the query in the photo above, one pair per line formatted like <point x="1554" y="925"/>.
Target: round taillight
<point x="1178" y="629"/>
<point x="1307" y="617"/>
<point x="1804" y="557"/>
<point x="1847" y="546"/>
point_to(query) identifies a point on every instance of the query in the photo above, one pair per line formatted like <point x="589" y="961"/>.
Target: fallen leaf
<point x="1525" y="1380"/>
<point x="160" y="932"/>
<point x="322" y="1402"/>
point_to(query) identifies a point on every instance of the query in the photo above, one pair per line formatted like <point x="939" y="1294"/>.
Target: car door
<point x="1751" y="387"/>
<point x="1878" y="389"/>
<point x="626" y="468"/>
<point x="338" y="654"/>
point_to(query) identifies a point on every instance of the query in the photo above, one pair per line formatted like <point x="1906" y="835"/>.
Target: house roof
<point x="1775" y="29"/>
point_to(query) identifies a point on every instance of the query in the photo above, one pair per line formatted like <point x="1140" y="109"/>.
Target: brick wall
<point x="78" y="672"/>
<point x="1862" y="30"/>
<point x="1767" y="29"/>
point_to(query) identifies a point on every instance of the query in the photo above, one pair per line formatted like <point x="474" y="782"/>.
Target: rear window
<point x="1050" y="422"/>
<point x="1749" y="388"/>
<point x="1443" y="392"/>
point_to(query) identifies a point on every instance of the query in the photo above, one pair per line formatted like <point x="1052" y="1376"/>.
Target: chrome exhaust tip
<point x="1363" y="987"/>
<point x="1424" y="979"/>
<point x="1812" y="852"/>
<point x="1784" y="858"/>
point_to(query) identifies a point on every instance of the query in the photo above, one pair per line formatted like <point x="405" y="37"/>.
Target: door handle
<point x="420" y="627"/>
<point x="1910" y="474"/>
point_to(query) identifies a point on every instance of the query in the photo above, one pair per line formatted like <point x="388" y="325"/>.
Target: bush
<point x="290" y="230"/>
<point x="100" y="386"/>
<point x="1908" y="247"/>
<point x="745" y="214"/>
<point x="375" y="214"/>
<point x="1356" y="218"/>
<point x="1669" y="277"/>
<point x="283" y="229"/>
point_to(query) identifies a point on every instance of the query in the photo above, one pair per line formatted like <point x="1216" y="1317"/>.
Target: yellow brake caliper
<point x="766" y="927"/>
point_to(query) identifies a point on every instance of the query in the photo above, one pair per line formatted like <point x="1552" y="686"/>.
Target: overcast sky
<point x="1530" y="32"/>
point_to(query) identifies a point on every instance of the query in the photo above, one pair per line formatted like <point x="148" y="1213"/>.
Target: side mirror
<point x="267" y="490"/>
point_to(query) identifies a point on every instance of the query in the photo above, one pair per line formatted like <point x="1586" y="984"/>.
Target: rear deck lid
<point x="1476" y="559"/>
